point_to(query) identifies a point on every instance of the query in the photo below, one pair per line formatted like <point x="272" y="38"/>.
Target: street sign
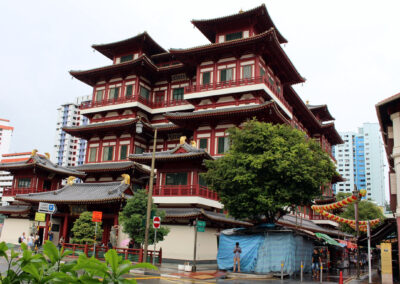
<point x="41" y="217"/>
<point x="201" y="226"/>
<point x="97" y="216"/>
<point x="47" y="208"/>
<point x="156" y="222"/>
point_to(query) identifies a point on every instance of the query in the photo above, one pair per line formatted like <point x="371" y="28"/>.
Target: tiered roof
<point x="321" y="112"/>
<point x="111" y="167"/>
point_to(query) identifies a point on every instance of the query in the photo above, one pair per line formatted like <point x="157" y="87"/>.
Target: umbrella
<point x="125" y="242"/>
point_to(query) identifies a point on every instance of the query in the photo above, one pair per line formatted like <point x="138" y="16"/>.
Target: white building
<point x="70" y="151"/>
<point x="6" y="132"/>
<point x="360" y="162"/>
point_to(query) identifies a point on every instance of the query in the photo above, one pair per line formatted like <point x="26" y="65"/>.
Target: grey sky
<point x="347" y="50"/>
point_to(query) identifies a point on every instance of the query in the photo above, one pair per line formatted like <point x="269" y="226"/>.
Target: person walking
<point x="61" y="242"/>
<point x="30" y="242"/>
<point x="236" y="258"/>
<point x="316" y="263"/>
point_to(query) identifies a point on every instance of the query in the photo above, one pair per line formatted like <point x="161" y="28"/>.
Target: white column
<point x="395" y="117"/>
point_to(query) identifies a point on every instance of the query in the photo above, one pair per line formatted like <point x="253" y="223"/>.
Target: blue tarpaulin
<point x="264" y="252"/>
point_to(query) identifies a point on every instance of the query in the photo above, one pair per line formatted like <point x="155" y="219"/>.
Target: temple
<point x="191" y="97"/>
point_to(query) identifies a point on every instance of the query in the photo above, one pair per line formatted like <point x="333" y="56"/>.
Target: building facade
<point x="6" y="131"/>
<point x="182" y="101"/>
<point x="360" y="162"/>
<point x="70" y="151"/>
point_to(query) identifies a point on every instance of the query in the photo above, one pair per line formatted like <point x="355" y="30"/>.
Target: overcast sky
<point x="349" y="52"/>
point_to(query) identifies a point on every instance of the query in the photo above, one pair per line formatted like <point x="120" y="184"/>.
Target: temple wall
<point x="13" y="228"/>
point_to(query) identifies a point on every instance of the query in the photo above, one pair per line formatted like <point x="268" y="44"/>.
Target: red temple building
<point x="191" y="96"/>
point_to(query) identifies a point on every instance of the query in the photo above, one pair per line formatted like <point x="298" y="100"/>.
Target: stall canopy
<point x="327" y="239"/>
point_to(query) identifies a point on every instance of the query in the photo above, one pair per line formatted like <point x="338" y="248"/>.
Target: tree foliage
<point x="84" y="229"/>
<point x="133" y="218"/>
<point x="342" y="195"/>
<point x="366" y="211"/>
<point x="268" y="169"/>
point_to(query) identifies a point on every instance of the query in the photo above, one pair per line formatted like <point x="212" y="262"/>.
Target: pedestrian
<point x="131" y="244"/>
<point x="316" y="263"/>
<point x="236" y="258"/>
<point x="21" y="239"/>
<point x="61" y="242"/>
<point x="30" y="242"/>
<point x="109" y="244"/>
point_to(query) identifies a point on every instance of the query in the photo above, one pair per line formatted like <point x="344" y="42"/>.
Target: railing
<point x="122" y="100"/>
<point x="15" y="191"/>
<point x="185" y="190"/>
<point x="134" y="255"/>
<point x="238" y="83"/>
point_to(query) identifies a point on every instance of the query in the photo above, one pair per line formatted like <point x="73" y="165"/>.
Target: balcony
<point x="277" y="92"/>
<point x="184" y="190"/>
<point x="147" y="102"/>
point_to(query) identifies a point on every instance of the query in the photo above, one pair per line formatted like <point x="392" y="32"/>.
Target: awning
<point x="328" y="240"/>
<point x="348" y="244"/>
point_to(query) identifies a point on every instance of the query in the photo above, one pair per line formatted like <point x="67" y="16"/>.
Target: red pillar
<point x="65" y="227"/>
<point x="398" y="234"/>
<point x="46" y="230"/>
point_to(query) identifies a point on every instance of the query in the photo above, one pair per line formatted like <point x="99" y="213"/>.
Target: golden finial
<point x="126" y="179"/>
<point x="47" y="155"/>
<point x="70" y="180"/>
<point x="307" y="102"/>
<point x="182" y="140"/>
<point x="240" y="11"/>
<point x="34" y="151"/>
<point x="193" y="143"/>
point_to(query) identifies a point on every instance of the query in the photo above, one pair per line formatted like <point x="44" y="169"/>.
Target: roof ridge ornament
<point x="193" y="144"/>
<point x="126" y="179"/>
<point x="182" y="140"/>
<point x="47" y="155"/>
<point x="34" y="152"/>
<point x="70" y="180"/>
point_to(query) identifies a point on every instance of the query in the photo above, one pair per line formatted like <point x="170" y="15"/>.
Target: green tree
<point x="268" y="170"/>
<point x="133" y="218"/>
<point x="84" y="229"/>
<point x="342" y="195"/>
<point x="366" y="211"/>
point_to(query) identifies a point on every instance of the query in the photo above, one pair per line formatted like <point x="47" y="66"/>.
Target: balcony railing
<point x="185" y="190"/>
<point x="238" y="83"/>
<point x="14" y="191"/>
<point x="123" y="100"/>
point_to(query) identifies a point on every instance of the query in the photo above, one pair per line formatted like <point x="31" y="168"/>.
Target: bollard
<point x="320" y="275"/>
<point x="301" y="271"/>
<point x="281" y="270"/>
<point x="341" y="277"/>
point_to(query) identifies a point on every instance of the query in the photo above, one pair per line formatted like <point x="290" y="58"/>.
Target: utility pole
<point x="356" y="193"/>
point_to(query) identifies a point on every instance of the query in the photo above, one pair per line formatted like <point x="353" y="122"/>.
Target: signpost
<point x="200" y="226"/>
<point x="96" y="217"/>
<point x="156" y="225"/>
<point x="47" y="208"/>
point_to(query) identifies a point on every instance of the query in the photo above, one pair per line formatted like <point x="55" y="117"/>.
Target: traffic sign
<point x="47" y="208"/>
<point x="156" y="222"/>
<point x="201" y="226"/>
<point x="41" y="217"/>
<point x="97" y="216"/>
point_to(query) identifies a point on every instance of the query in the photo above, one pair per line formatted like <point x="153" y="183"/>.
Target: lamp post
<point x="356" y="192"/>
<point x="139" y="129"/>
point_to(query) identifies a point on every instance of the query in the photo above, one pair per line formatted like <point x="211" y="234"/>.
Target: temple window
<point x="99" y="95"/>
<point x="92" y="154"/>
<point x="47" y="184"/>
<point x="114" y="92"/>
<point x="203" y="143"/>
<point x="262" y="72"/>
<point x="206" y="78"/>
<point x="128" y="91"/>
<point x="123" y="152"/>
<point x="144" y="93"/>
<point x="226" y="75"/>
<point x="233" y="36"/>
<point x="108" y="152"/>
<point x="176" y="178"/>
<point x="159" y="96"/>
<point x="177" y="94"/>
<point x="24" y="182"/>
<point x="223" y="145"/>
<point x="246" y="71"/>
<point x="139" y="150"/>
<point x="126" y="58"/>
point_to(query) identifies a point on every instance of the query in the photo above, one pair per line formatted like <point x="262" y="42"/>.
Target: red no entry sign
<point x="156" y="222"/>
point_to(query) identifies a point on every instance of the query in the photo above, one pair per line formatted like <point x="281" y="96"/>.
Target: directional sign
<point x="47" y="208"/>
<point x="97" y="216"/>
<point x="156" y="222"/>
<point x="201" y="225"/>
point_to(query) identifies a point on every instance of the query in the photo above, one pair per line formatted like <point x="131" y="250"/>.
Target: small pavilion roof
<point x="85" y="131"/>
<point x="15" y="209"/>
<point x="331" y="133"/>
<point x="192" y="213"/>
<point x="321" y="111"/>
<point x="191" y="118"/>
<point x="180" y="152"/>
<point x="80" y="193"/>
<point x="263" y="42"/>
<point x="39" y="161"/>
<point x="144" y="40"/>
<point x="110" y="167"/>
<point x="258" y="15"/>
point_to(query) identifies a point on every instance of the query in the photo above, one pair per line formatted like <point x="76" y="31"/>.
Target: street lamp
<point x="356" y="192"/>
<point x="139" y="129"/>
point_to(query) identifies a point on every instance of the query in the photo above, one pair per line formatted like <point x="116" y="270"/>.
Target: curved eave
<point x="107" y="167"/>
<point x="267" y="40"/>
<point x="93" y="201"/>
<point x="207" y="26"/>
<point x="331" y="134"/>
<point x="62" y="173"/>
<point x="112" y="49"/>
<point x="322" y="112"/>
<point x="174" y="157"/>
<point x="92" y="76"/>
<point x="337" y="178"/>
